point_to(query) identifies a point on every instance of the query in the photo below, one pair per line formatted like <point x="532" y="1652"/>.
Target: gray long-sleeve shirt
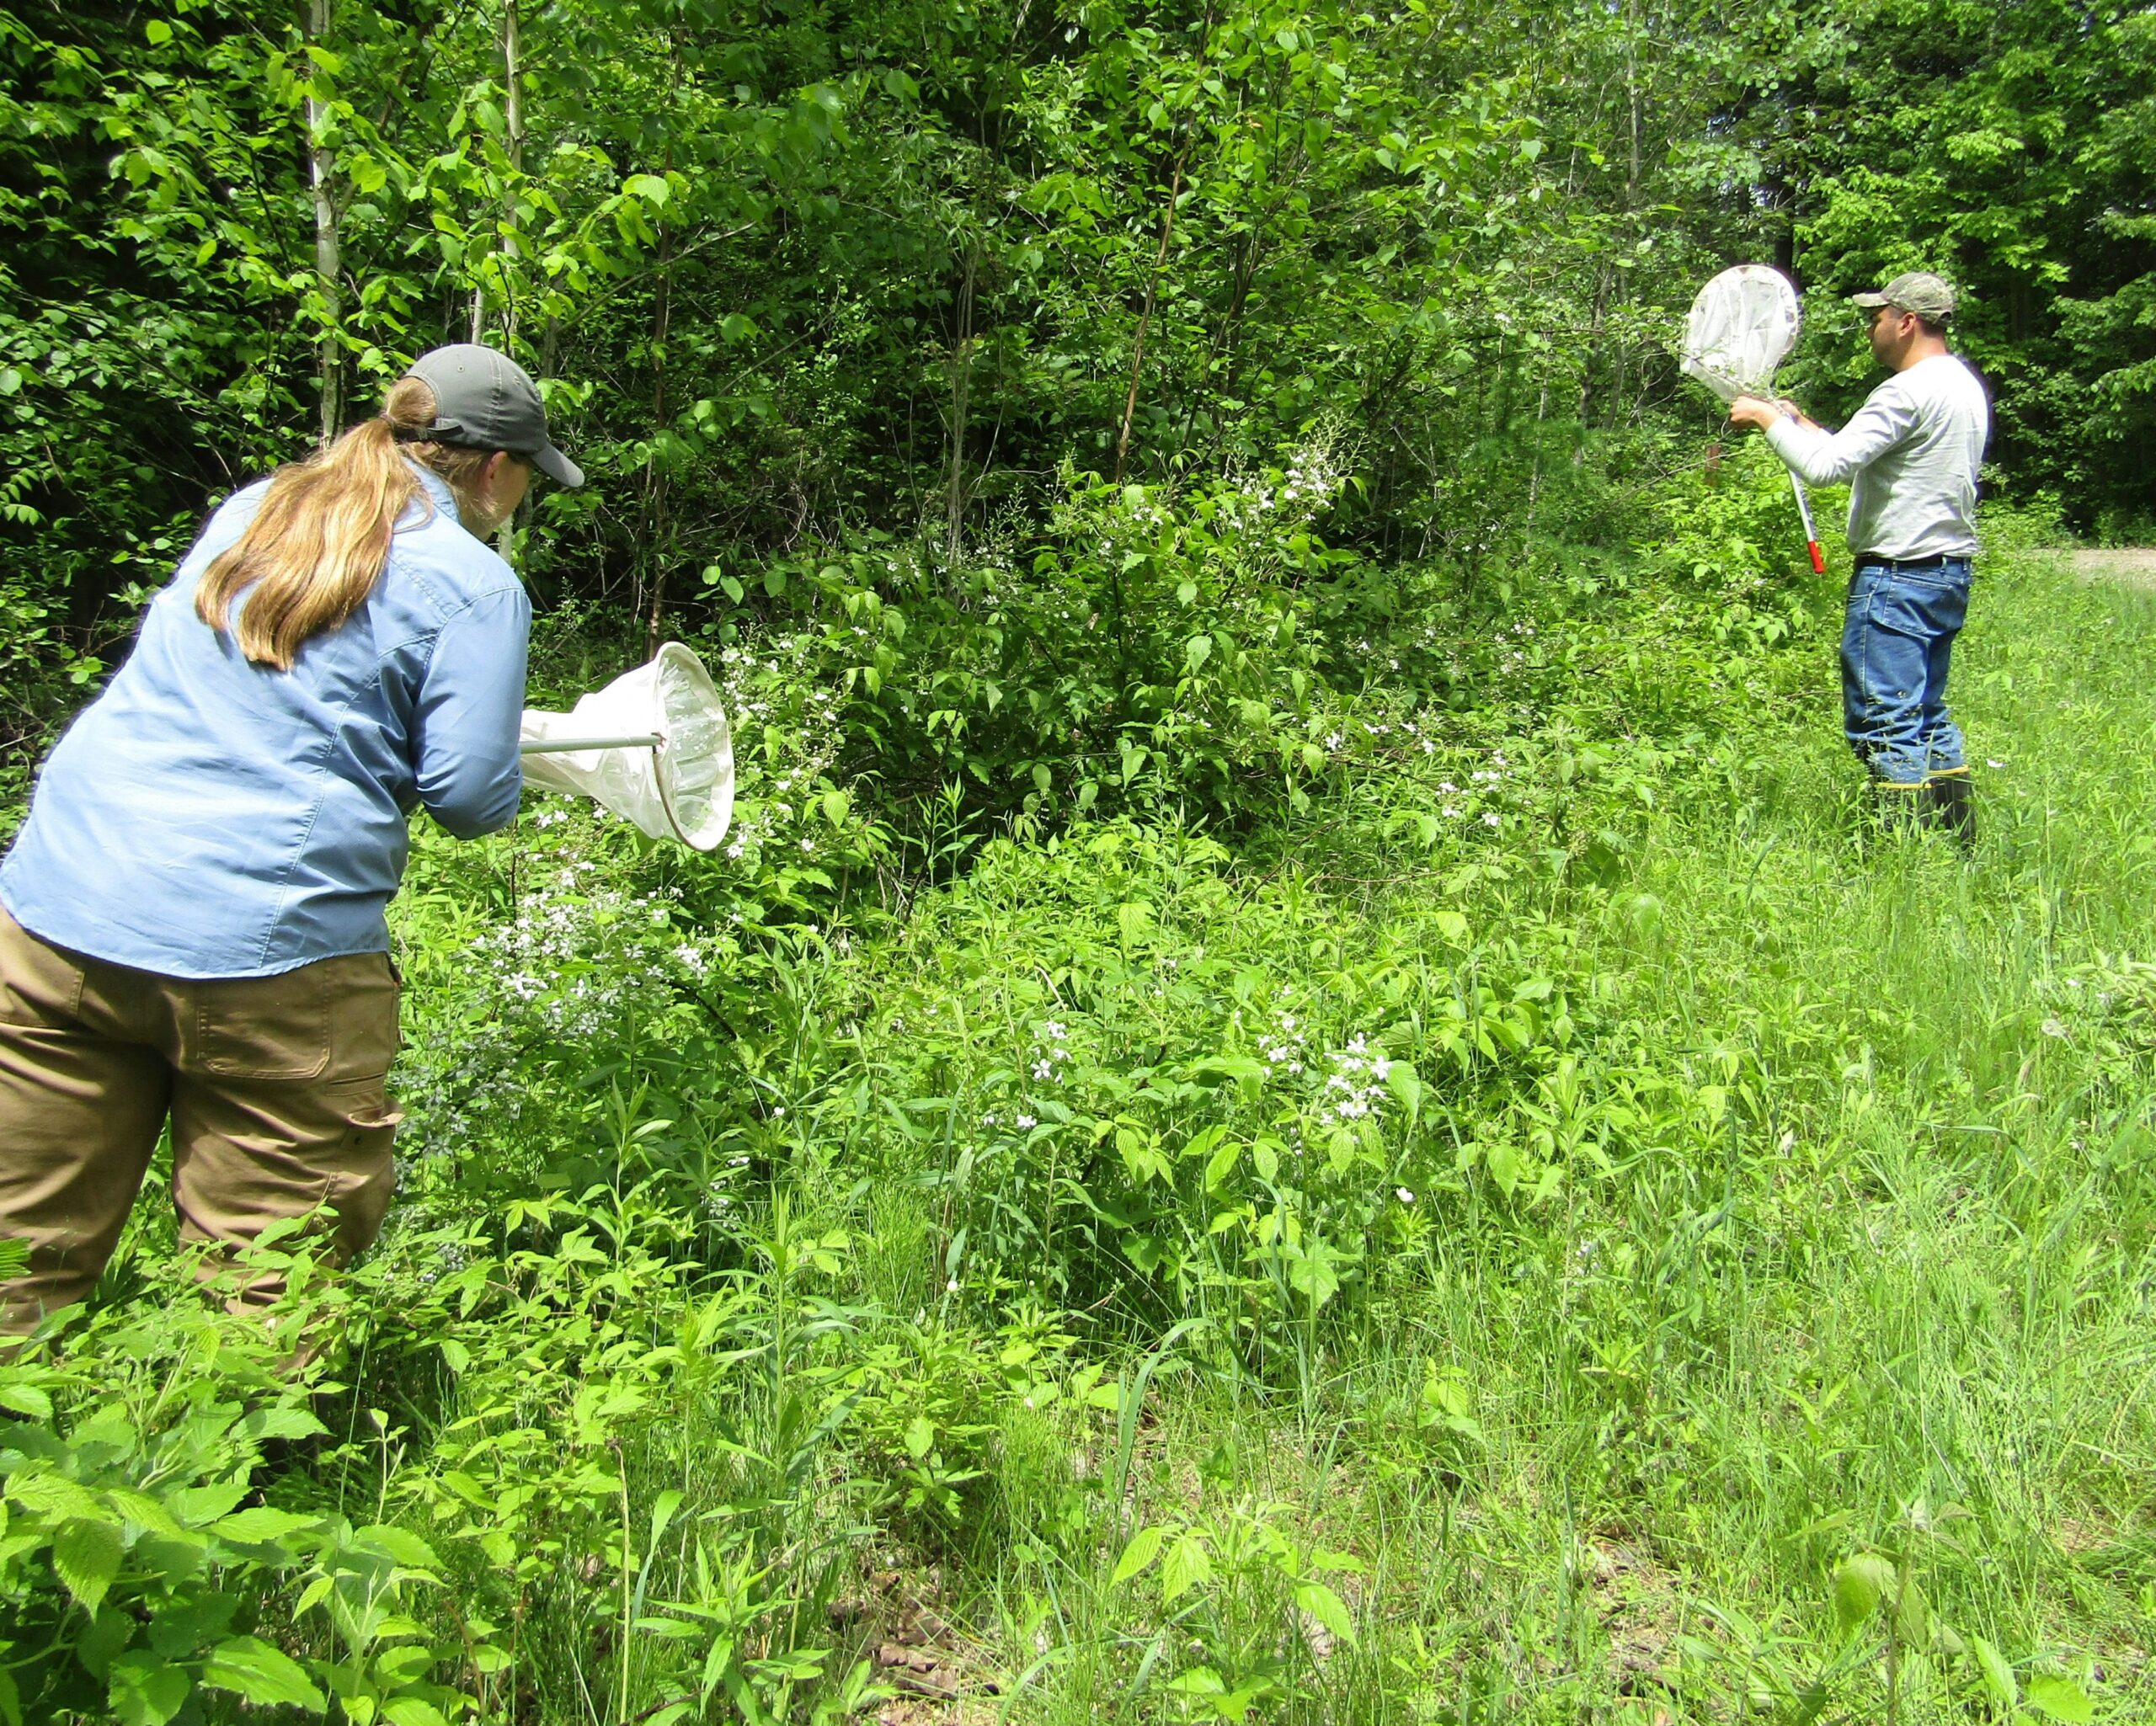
<point x="1913" y="450"/>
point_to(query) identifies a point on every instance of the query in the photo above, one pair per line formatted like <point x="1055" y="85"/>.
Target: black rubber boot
<point x="1900" y="808"/>
<point x="1951" y="805"/>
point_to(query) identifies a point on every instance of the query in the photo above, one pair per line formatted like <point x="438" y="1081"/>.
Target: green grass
<point x="1905" y="1310"/>
<point x="1769" y="1198"/>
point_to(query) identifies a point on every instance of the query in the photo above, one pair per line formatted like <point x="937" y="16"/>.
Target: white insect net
<point x="1742" y="327"/>
<point x="667" y="759"/>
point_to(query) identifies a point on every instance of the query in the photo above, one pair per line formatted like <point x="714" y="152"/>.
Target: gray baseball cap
<point x="484" y="400"/>
<point x="1918" y="290"/>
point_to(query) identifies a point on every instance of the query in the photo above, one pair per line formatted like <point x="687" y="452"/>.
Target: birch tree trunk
<point x="662" y="326"/>
<point x="320" y="164"/>
<point x="513" y="125"/>
<point x="962" y="362"/>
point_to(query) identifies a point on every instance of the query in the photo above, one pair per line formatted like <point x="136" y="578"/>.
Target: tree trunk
<point x="654" y="475"/>
<point x="513" y="123"/>
<point x="1159" y="262"/>
<point x="962" y="367"/>
<point x="320" y="165"/>
<point x="1145" y="317"/>
<point x="662" y="319"/>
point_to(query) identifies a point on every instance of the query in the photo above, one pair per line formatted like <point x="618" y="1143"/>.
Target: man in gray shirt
<point x="1911" y="453"/>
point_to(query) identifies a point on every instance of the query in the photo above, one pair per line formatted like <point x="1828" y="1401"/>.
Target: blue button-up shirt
<point x="205" y="817"/>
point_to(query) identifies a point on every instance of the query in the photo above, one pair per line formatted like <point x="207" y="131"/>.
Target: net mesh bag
<point x="1741" y="326"/>
<point x="682" y="786"/>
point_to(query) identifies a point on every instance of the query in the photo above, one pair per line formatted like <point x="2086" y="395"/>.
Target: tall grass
<point x="1908" y="1311"/>
<point x="1065" y="1298"/>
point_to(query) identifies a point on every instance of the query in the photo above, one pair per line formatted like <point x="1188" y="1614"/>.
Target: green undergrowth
<point x="1562" y="1223"/>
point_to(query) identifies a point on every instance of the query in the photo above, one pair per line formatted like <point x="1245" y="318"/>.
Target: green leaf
<point x="1144" y="1547"/>
<point x="1222" y="1162"/>
<point x="1998" y="1674"/>
<point x="54" y="1494"/>
<point x="284" y="1422"/>
<point x="196" y="1505"/>
<point x="649" y="187"/>
<point x="663" y="1510"/>
<point x="2061" y="1698"/>
<point x="1913" y="1619"/>
<point x="157" y="33"/>
<point x="1859" y="1585"/>
<point x="398" y="1544"/>
<point x="410" y="1711"/>
<point x="86" y="1555"/>
<point x="1312" y="1273"/>
<point x="11" y="1699"/>
<point x="260" y="1674"/>
<point x="145" y="1691"/>
<point x="1402" y="1080"/>
<point x="1187" y="1566"/>
<point x="260" y="1525"/>
<point x="1322" y="1604"/>
<point x="26" y="1399"/>
<point x="1198" y="1681"/>
<point x="1243" y="1070"/>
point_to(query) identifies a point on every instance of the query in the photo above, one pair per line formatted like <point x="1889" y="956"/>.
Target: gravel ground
<point x="2136" y="564"/>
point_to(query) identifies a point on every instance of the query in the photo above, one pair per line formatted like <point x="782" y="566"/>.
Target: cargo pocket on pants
<point x="361" y="1165"/>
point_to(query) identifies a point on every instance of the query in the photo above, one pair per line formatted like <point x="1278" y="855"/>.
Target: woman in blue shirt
<point x="192" y="923"/>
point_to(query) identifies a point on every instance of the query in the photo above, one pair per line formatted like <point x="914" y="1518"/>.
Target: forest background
<point x="807" y="281"/>
<point x="1295" y="1096"/>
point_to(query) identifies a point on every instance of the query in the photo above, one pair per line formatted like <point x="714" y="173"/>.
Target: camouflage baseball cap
<point x="1916" y="290"/>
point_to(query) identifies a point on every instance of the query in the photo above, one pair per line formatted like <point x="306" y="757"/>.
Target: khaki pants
<point x="275" y="1087"/>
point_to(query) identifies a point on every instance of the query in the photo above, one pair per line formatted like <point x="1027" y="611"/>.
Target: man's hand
<point x="1750" y="410"/>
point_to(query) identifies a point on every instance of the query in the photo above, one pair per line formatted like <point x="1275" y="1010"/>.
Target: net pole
<point x="570" y="745"/>
<point x="1811" y="533"/>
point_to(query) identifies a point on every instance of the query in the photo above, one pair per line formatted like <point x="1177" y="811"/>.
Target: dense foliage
<point x="1291" y="1099"/>
<point x="1551" y="1232"/>
<point x="800" y="277"/>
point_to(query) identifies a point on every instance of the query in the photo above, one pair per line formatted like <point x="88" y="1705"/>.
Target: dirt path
<point x="2134" y="565"/>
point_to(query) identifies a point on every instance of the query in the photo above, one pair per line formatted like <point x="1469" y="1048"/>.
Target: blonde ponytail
<point x="318" y="543"/>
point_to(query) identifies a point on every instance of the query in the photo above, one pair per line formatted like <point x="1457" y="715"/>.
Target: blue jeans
<point x="1897" y="639"/>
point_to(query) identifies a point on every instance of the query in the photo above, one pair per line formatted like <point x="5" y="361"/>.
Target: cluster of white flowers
<point x="1051" y="1054"/>
<point x="447" y="1260"/>
<point x="1482" y="783"/>
<point x="1284" y="1048"/>
<point x="1355" y="1087"/>
<point x="1315" y="474"/>
<point x="1313" y="478"/>
<point x="576" y="961"/>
